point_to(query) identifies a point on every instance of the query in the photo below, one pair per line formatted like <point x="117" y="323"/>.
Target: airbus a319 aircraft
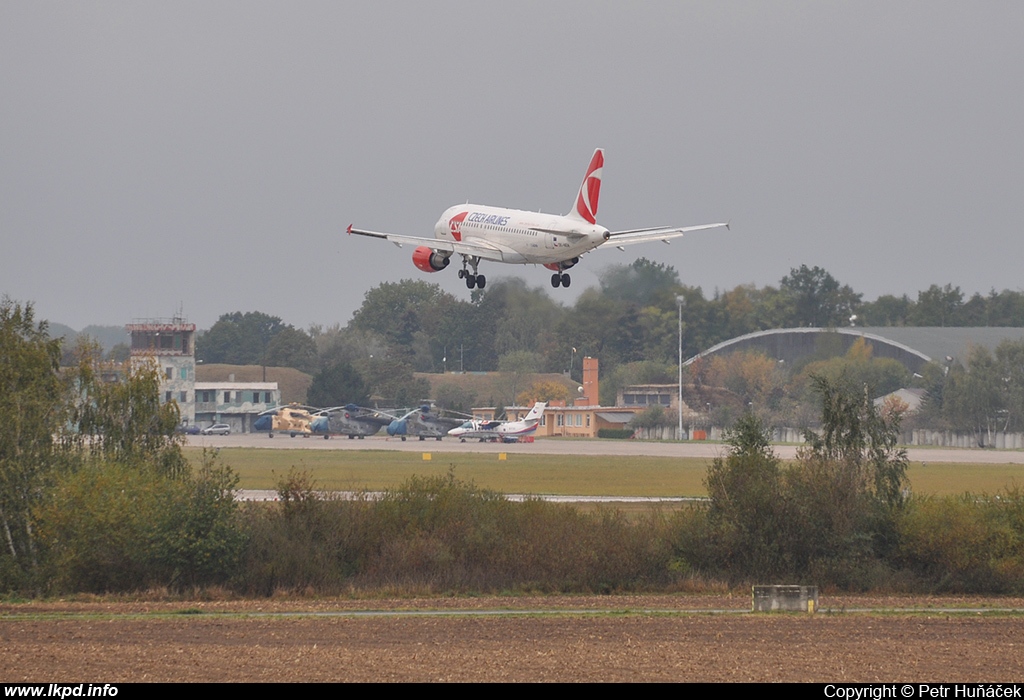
<point x="479" y="233"/>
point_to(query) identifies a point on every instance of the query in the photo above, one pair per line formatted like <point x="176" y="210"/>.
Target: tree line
<point x="629" y="322"/>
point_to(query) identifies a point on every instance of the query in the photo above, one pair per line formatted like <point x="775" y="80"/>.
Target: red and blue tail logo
<point x="455" y="224"/>
<point x="590" y="190"/>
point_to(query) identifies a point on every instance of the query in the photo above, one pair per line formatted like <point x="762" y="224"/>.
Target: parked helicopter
<point x="351" y="420"/>
<point x="293" y="419"/>
<point x="423" y="422"/>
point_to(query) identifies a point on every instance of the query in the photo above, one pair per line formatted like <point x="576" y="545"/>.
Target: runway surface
<point x="568" y="446"/>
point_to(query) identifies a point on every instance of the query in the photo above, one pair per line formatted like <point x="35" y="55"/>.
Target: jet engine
<point x="564" y="265"/>
<point x="429" y="260"/>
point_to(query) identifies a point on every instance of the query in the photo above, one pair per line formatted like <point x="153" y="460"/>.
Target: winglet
<point x="350" y="229"/>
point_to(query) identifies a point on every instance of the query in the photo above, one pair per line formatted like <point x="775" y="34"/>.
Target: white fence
<point x="914" y="438"/>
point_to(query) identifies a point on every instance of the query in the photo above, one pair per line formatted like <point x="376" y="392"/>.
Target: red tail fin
<point x="590" y="190"/>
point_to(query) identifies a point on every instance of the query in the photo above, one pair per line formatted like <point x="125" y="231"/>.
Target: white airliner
<point x="486" y="430"/>
<point x="523" y="237"/>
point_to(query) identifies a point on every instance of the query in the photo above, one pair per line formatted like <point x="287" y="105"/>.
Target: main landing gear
<point x="472" y="279"/>
<point x="561" y="277"/>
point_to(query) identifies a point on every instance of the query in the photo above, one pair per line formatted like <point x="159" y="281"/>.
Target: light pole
<point x="680" y="302"/>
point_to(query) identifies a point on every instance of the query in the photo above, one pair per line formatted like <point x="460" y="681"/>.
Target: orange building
<point x="584" y="418"/>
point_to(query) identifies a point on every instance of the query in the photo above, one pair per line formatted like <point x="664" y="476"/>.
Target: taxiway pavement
<point x="568" y="446"/>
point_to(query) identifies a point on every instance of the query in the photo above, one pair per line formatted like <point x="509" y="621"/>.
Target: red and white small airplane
<point x="523" y="237"/>
<point x="496" y="430"/>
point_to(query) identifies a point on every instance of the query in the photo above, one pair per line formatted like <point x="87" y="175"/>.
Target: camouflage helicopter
<point x="351" y="420"/>
<point x="423" y="422"/>
<point x="293" y="419"/>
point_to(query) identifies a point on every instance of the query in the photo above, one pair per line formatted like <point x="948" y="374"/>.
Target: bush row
<point x="440" y="534"/>
<point x="121" y="530"/>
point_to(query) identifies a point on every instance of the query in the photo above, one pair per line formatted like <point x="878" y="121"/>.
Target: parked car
<point x="188" y="429"/>
<point x="217" y="429"/>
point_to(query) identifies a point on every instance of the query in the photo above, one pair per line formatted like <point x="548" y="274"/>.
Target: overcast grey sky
<point x="211" y="154"/>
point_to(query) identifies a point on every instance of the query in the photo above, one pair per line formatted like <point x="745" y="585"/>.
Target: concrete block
<point x="791" y="598"/>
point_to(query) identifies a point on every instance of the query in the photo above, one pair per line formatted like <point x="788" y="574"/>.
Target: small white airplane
<point x="525" y="238"/>
<point x="487" y="430"/>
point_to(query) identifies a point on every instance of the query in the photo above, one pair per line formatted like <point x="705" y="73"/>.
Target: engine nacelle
<point x="564" y="265"/>
<point x="429" y="260"/>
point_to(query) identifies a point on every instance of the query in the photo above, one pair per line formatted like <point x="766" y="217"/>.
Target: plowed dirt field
<point x="650" y="638"/>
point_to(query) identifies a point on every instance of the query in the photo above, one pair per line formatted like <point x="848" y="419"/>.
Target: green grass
<point x="952" y="478"/>
<point x="377" y="469"/>
<point x="553" y="474"/>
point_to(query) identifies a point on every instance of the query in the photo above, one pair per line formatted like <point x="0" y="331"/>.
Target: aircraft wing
<point x="477" y="248"/>
<point x="619" y="239"/>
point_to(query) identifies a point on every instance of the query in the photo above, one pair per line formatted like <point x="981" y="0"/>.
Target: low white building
<point x="234" y="403"/>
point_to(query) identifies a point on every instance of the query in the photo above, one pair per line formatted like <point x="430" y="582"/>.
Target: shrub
<point x="968" y="543"/>
<point x="829" y="518"/>
<point x="308" y="541"/>
<point x="747" y="516"/>
<point x="443" y="534"/>
<point x="615" y="433"/>
<point x="111" y="527"/>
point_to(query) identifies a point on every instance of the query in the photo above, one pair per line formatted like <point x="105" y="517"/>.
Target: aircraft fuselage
<point x="523" y="237"/>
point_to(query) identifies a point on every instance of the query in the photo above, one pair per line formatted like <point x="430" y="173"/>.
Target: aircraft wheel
<point x="271" y="434"/>
<point x="327" y="437"/>
<point x="556" y="279"/>
<point x="351" y="437"/>
<point x="566" y="280"/>
<point x="470" y="281"/>
<point x="481" y="281"/>
<point x="462" y="273"/>
<point x="422" y="438"/>
<point x="293" y="434"/>
<point x="403" y="438"/>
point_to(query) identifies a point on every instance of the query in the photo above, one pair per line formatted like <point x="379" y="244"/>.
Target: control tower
<point x="170" y="343"/>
